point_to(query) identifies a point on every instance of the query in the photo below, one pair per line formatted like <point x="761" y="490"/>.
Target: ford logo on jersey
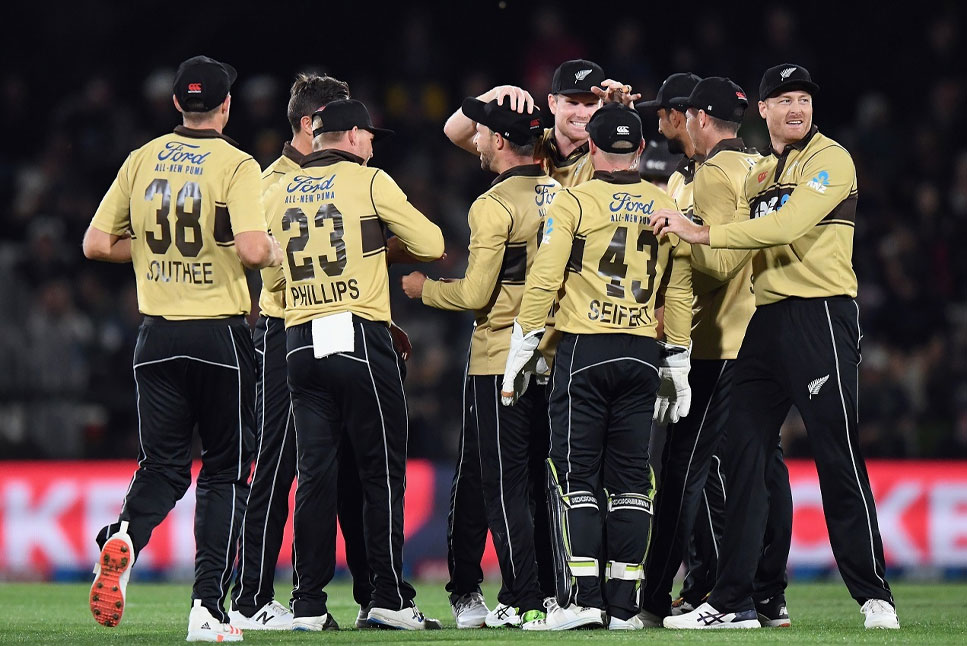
<point x="308" y="184"/>
<point x="628" y="202"/>
<point x="181" y="152"/>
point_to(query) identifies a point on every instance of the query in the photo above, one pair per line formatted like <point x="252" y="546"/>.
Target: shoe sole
<point x="749" y="623"/>
<point x="482" y="624"/>
<point x="774" y="623"/>
<point x="208" y="636"/>
<point x="580" y="624"/>
<point x="243" y="622"/>
<point x="106" y="598"/>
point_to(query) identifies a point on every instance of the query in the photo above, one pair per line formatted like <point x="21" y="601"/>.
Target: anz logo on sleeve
<point x="769" y="202"/>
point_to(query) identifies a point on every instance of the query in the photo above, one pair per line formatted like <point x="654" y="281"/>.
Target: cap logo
<point x="581" y="74"/>
<point x="786" y="72"/>
<point x="741" y="95"/>
<point x="535" y="123"/>
<point x="194" y="88"/>
<point x="622" y="130"/>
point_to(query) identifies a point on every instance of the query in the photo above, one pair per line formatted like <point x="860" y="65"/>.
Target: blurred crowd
<point x="66" y="385"/>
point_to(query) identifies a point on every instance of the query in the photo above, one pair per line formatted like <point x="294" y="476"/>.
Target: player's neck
<point x="207" y="124"/>
<point x="302" y="142"/>
<point x="566" y="146"/>
<point x="504" y="163"/>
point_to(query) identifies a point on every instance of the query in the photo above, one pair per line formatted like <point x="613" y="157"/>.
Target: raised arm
<point x="460" y="129"/>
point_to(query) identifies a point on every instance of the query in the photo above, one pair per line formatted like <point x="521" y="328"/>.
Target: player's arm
<point x="715" y="200"/>
<point x="254" y="246"/>
<point x="677" y="298"/>
<point x="805" y="208"/>
<point x="547" y="272"/>
<point x="108" y="237"/>
<point x="460" y="129"/>
<point x="420" y="238"/>
<point x="490" y="223"/>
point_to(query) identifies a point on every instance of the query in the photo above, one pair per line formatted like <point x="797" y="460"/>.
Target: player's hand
<point x="412" y="284"/>
<point x="401" y="341"/>
<point x="519" y="98"/>
<point x="277" y="254"/>
<point x="674" y="398"/>
<point x="667" y="221"/>
<point x="612" y="91"/>
<point x="522" y="350"/>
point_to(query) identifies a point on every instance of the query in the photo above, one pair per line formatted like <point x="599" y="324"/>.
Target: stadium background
<point x="82" y="86"/>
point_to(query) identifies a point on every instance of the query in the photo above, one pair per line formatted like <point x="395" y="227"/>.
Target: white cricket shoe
<point x="111" y="574"/>
<point x="503" y="616"/>
<point x="680" y="606"/>
<point x="567" y="618"/>
<point x="202" y="627"/>
<point x="315" y="624"/>
<point x="880" y="614"/>
<point x="405" y="619"/>
<point x="470" y="610"/>
<point x="271" y="616"/>
<point x="634" y="623"/>
<point x="706" y="617"/>
<point x="649" y="619"/>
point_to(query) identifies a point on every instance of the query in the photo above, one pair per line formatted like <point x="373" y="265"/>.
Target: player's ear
<point x="499" y="145"/>
<point x="305" y="124"/>
<point x="762" y="109"/>
<point x="174" y="99"/>
<point x="551" y="103"/>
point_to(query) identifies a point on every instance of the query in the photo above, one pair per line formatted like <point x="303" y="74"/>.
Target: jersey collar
<point x="289" y="151"/>
<point x="206" y="133"/>
<point x="799" y="145"/>
<point x="686" y="168"/>
<point x="735" y="144"/>
<point x="328" y="157"/>
<point x="618" y="176"/>
<point x="524" y="170"/>
<point x="556" y="156"/>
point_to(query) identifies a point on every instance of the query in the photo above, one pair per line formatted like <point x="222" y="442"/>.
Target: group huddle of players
<point x="602" y="302"/>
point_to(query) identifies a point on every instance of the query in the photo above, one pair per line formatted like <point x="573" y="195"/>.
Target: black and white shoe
<point x="706" y="617"/>
<point x="772" y="612"/>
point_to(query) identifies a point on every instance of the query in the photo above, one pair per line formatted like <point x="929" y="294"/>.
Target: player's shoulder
<point x="825" y="150"/>
<point x="279" y="167"/>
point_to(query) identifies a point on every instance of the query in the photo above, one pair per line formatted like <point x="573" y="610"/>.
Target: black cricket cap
<point x="346" y="114"/>
<point x="577" y="77"/>
<point x="785" y="77"/>
<point x="676" y="85"/>
<point x="202" y="83"/>
<point x="520" y="128"/>
<point x="657" y="163"/>
<point x="719" y="97"/>
<point x="615" y="128"/>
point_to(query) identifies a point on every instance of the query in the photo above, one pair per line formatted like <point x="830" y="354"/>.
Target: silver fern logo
<point x="581" y="75"/>
<point x="786" y="72"/>
<point x="816" y="384"/>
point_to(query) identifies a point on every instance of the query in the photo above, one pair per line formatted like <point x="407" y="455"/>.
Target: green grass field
<point x="158" y="614"/>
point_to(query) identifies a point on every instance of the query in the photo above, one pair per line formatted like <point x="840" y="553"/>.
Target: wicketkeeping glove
<point x="522" y="349"/>
<point x="674" y="394"/>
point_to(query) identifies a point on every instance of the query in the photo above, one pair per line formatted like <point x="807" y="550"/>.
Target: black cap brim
<point x="679" y="102"/>
<point x="649" y="105"/>
<point x="793" y="84"/>
<point x="573" y="91"/>
<point x="473" y="109"/>
<point x="380" y="133"/>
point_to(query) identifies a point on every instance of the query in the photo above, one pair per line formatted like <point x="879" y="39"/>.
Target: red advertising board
<point x="51" y="511"/>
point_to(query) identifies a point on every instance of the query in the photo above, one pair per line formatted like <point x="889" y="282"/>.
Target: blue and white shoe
<point x="706" y="617"/>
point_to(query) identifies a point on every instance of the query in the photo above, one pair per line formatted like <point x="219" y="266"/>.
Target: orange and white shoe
<point x="111" y="574"/>
<point x="203" y="627"/>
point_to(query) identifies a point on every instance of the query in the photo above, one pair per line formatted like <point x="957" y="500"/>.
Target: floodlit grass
<point x="51" y="613"/>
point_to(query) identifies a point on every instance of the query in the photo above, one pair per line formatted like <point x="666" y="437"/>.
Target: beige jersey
<point x="803" y="211"/>
<point x="505" y="226"/>
<point x="680" y="185"/>
<point x="331" y="215"/>
<point x="272" y="303"/>
<point x="598" y="242"/>
<point x="183" y="197"/>
<point x="723" y="303"/>
<point x="567" y="171"/>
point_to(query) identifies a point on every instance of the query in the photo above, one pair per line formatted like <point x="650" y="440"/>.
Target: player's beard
<point x="486" y="159"/>
<point x="675" y="146"/>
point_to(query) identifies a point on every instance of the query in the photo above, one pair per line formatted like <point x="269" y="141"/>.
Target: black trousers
<point x="600" y="408"/>
<point x="275" y="466"/>
<point x="467" y="522"/>
<point x="802" y="352"/>
<point x="690" y="503"/>
<point x="513" y="443"/>
<point x="702" y="556"/>
<point x="352" y="400"/>
<point x="188" y="373"/>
